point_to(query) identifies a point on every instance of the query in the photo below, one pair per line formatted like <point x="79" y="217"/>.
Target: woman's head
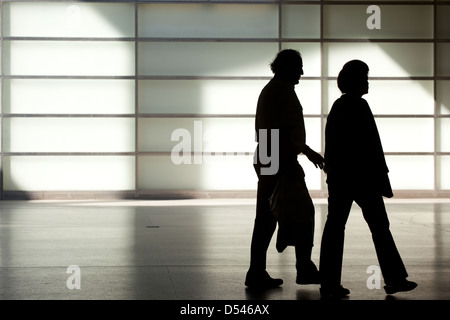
<point x="353" y="78"/>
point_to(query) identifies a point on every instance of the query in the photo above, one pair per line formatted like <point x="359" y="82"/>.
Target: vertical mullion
<point x="1" y="103"/>
<point x="136" y="99"/>
<point x="280" y="23"/>
<point x="436" y="126"/>
<point x="322" y="92"/>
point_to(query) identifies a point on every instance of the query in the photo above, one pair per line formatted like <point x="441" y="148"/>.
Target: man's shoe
<point x="337" y="293"/>
<point x="261" y="281"/>
<point x="402" y="286"/>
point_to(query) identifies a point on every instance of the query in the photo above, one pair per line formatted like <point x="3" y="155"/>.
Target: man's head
<point x="288" y="65"/>
<point x="353" y="78"/>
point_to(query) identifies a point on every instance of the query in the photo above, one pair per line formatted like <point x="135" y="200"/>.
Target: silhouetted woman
<point x="356" y="171"/>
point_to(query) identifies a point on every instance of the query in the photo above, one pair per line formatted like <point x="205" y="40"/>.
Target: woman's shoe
<point x="402" y="286"/>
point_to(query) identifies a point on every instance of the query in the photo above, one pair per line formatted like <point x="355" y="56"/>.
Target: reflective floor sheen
<point x="197" y="250"/>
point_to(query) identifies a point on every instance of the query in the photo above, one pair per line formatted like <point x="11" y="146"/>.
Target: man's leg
<point x="264" y="227"/>
<point x="307" y="272"/>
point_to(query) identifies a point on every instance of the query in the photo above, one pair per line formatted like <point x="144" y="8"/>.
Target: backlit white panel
<point x="383" y="59"/>
<point x="311" y="56"/>
<point x="406" y="135"/>
<point x="208" y="20"/>
<point x="300" y="21"/>
<point x="443" y="96"/>
<point x="206" y="58"/>
<point x="442" y="25"/>
<point x="444" y="134"/>
<point x="313" y="175"/>
<point x="74" y="173"/>
<point x="45" y="19"/>
<point x="443" y="63"/>
<point x="69" y="96"/>
<point x="69" y="134"/>
<point x="209" y="134"/>
<point x="411" y="172"/>
<point x="309" y="94"/>
<point x="215" y="96"/>
<point x="392" y="97"/>
<point x="444" y="164"/>
<point x="213" y="173"/>
<point x="74" y="58"/>
<point x="199" y="96"/>
<point x="350" y="21"/>
<point x="197" y="134"/>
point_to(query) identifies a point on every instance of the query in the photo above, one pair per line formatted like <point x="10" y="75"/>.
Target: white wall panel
<point x="208" y="21"/>
<point x="73" y="173"/>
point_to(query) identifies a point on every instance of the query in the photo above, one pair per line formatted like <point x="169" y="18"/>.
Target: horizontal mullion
<point x="404" y="116"/>
<point x="28" y="38"/>
<point x="68" y="115"/>
<point x="375" y="2"/>
<point x="168" y="153"/>
<point x="381" y="40"/>
<point x="61" y="154"/>
<point x="68" y="77"/>
<point x="250" y="40"/>
<point x="182" y="77"/>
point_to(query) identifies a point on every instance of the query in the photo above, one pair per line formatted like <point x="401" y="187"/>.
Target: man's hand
<point x="315" y="158"/>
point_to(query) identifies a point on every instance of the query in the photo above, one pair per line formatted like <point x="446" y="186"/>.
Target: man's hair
<point x="352" y="74"/>
<point x="285" y="60"/>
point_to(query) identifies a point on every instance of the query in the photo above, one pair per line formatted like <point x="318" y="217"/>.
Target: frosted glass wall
<point x="143" y="98"/>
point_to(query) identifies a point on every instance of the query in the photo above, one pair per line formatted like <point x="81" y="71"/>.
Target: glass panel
<point x="384" y="59"/>
<point x="442" y="22"/>
<point x="68" y="19"/>
<point x="208" y="135"/>
<point x="443" y="63"/>
<point x="313" y="175"/>
<point x="206" y="58"/>
<point x="190" y="134"/>
<point x="444" y="162"/>
<point x="69" y="173"/>
<point x="308" y="92"/>
<point x="443" y="96"/>
<point x="199" y="96"/>
<point x="46" y="96"/>
<point x="402" y="167"/>
<point x="214" y="173"/>
<point x="395" y="21"/>
<point x="406" y="135"/>
<point x="69" y="134"/>
<point x="215" y="96"/>
<point x="75" y="58"/>
<point x="402" y="97"/>
<point x="208" y="20"/>
<point x="444" y="134"/>
<point x="310" y="54"/>
<point x="313" y="133"/>
<point x="300" y="21"/>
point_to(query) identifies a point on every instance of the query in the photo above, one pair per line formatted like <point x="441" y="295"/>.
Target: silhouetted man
<point x="279" y="116"/>
<point x="356" y="171"/>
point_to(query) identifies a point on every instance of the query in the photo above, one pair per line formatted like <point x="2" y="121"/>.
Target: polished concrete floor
<point x="196" y="250"/>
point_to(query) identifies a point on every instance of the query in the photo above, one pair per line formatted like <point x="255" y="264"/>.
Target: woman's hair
<point x="285" y="60"/>
<point x="352" y="76"/>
